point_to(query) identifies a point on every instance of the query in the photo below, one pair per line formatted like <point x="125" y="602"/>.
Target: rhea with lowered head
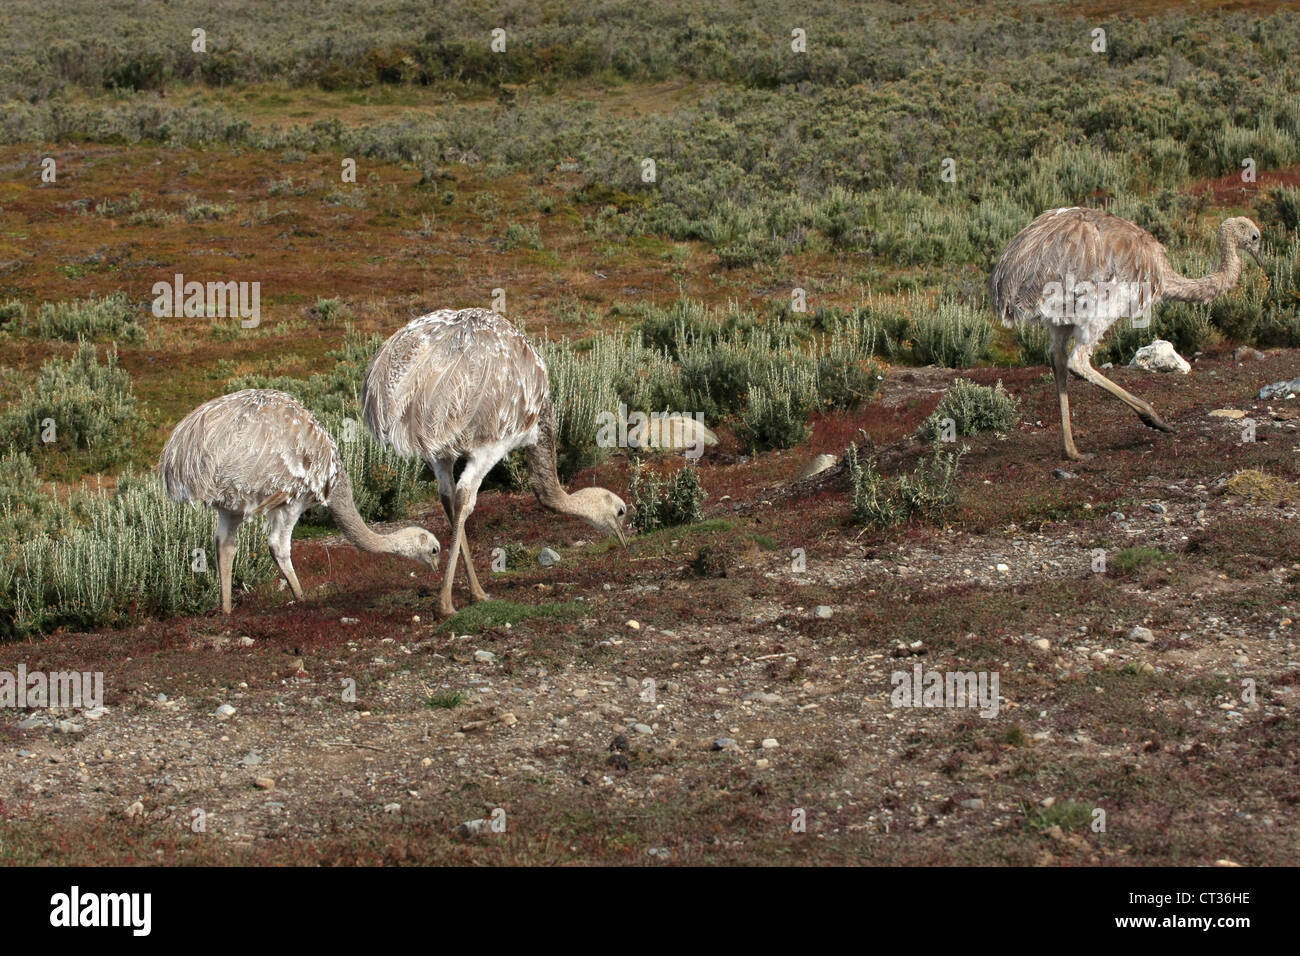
<point x="466" y="385"/>
<point x="260" y="451"/>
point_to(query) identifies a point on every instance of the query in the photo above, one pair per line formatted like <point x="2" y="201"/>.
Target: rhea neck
<point x="349" y="521"/>
<point x="542" y="467"/>
<point x="1209" y="287"/>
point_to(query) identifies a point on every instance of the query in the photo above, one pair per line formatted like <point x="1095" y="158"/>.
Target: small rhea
<point x="466" y="385"/>
<point x="260" y="451"/>
<point x="1096" y="247"/>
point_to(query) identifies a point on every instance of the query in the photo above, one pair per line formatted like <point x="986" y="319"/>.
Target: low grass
<point x="489" y="614"/>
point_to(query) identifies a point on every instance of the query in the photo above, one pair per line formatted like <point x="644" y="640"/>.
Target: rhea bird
<point x="260" y="451"/>
<point x="465" y="385"/>
<point x="1119" y="271"/>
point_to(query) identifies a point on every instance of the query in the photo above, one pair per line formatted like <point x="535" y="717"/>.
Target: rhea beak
<point x="622" y="538"/>
<point x="1254" y="254"/>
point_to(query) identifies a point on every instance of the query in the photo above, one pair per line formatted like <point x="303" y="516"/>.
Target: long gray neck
<point x="1209" y="287"/>
<point x="348" y="519"/>
<point x="542" y="466"/>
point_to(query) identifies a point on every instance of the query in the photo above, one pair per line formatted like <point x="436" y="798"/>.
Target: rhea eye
<point x="620" y="512"/>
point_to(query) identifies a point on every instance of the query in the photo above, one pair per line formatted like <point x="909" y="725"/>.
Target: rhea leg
<point x="228" y="523"/>
<point x="445" y="470"/>
<point x="1060" y="369"/>
<point x="1081" y="365"/>
<point x="279" y="535"/>
<point x="463" y="500"/>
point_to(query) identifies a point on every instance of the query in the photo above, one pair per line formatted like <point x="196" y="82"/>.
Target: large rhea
<point x="1079" y="271"/>
<point x="466" y="385"/>
<point x="261" y="452"/>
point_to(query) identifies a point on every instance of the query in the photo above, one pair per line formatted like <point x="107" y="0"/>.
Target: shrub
<point x="1034" y="343"/>
<point x="973" y="409"/>
<point x="952" y="336"/>
<point x="776" y="415"/>
<point x="111" y="315"/>
<point x="927" y="494"/>
<point x="525" y="237"/>
<point x="665" y="504"/>
<point x="121" y="555"/>
<point x="90" y="407"/>
<point x="11" y="311"/>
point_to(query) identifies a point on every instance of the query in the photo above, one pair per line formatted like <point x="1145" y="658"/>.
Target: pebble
<point x="161" y="698"/>
<point x="770" y="743"/>
<point x="762" y="764"/>
<point x="30" y="723"/>
<point x="350" y="620"/>
<point x="246" y="641"/>
<point x="264" y="783"/>
<point x="724" y="743"/>
<point x="973" y="804"/>
<point x="224" y="712"/>
<point x="763" y="697"/>
<point x="484" y="657"/>
<point x="1116" y="516"/>
<point x="1156" y="508"/>
<point x="547" y="558"/>
<point x="1004" y="569"/>
<point x="633" y="625"/>
<point x="1140" y="633"/>
<point x="1226" y="413"/>
<point x="643" y="728"/>
<point x="67" y="727"/>
<point x="823" y="612"/>
<point x="392" y="808"/>
<point x="1062" y="473"/>
<point x="1042" y="644"/>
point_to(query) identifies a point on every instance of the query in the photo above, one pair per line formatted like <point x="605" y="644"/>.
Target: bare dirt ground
<point x="761" y="714"/>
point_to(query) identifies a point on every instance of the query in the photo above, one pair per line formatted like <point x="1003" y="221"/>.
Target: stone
<point x="1142" y="634"/>
<point x="724" y="743"/>
<point x="1226" y="413"/>
<point x="484" y="657"/>
<point x="770" y="743"/>
<point x="548" y="558"/>
<point x="643" y="728"/>
<point x="823" y="612"/>
<point x="1042" y="644"/>
<point x="974" y="803"/>
<point x="1280" y="389"/>
<point x="224" y="712"/>
<point x="1160" y="356"/>
<point x="817" y="466"/>
<point x="1062" y="473"/>
<point x="264" y="783"/>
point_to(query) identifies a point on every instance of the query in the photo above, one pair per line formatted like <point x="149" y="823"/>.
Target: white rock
<point x="547" y="558"/>
<point x="1140" y="633"/>
<point x="1160" y="356"/>
<point x="770" y="743"/>
<point x="823" y="611"/>
<point x="484" y="657"/>
<point x="224" y="712"/>
<point x="818" y="465"/>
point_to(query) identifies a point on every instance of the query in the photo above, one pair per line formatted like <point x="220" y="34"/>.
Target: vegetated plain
<point x="773" y="171"/>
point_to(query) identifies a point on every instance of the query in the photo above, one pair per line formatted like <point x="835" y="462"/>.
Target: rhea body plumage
<point x="1126" y="272"/>
<point x="466" y="385"/>
<point x="260" y="451"/>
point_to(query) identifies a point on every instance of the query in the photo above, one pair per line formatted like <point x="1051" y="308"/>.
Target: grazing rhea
<point x="261" y="452"/>
<point x="466" y="384"/>
<point x="1079" y="271"/>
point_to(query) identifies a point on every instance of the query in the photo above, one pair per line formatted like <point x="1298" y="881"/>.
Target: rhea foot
<point x="1152" y="420"/>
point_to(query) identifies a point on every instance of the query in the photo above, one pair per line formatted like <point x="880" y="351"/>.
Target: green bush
<point x="951" y="335"/>
<point x="114" y="557"/>
<point x="82" y="405"/>
<point x="973" y="409"/>
<point x="927" y="494"/>
<point x="111" y="315"/>
<point x="776" y="414"/>
<point x="665" y="504"/>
